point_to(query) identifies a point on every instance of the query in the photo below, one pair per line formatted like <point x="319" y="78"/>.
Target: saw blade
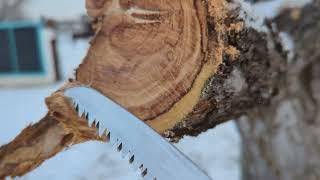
<point x="147" y="150"/>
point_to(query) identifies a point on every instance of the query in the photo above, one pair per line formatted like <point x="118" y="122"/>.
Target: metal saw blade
<point x="154" y="155"/>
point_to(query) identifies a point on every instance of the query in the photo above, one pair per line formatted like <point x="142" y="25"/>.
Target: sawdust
<point x="232" y="52"/>
<point x="219" y="11"/>
<point x="217" y="48"/>
<point x="237" y="27"/>
<point x="295" y="14"/>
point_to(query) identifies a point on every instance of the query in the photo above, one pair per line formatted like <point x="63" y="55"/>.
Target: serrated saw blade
<point x="154" y="155"/>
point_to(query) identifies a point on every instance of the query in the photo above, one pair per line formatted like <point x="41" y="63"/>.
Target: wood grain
<point x="147" y="54"/>
<point x="58" y="130"/>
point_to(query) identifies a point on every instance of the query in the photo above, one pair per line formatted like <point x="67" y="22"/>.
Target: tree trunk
<point x="181" y="66"/>
<point x="281" y="140"/>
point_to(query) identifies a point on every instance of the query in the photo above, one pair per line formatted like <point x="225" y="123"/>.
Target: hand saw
<point x="147" y="150"/>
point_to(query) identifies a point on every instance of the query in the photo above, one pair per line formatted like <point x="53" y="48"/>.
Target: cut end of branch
<point x="154" y="57"/>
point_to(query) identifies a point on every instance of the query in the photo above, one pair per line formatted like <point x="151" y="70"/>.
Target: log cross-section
<point x="147" y="54"/>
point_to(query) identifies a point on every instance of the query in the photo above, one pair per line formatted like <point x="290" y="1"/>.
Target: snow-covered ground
<point x="217" y="151"/>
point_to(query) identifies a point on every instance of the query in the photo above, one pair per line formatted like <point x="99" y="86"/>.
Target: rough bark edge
<point x="293" y="114"/>
<point x="241" y="82"/>
<point x="58" y="130"/>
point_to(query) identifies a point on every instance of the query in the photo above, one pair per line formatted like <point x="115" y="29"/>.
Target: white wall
<point x="59" y="9"/>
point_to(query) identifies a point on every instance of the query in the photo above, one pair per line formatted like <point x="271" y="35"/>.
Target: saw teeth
<point x="114" y="140"/>
<point x="98" y="126"/>
<point x="77" y="107"/>
<point x="102" y="127"/>
<point x="136" y="164"/>
<point x="106" y="135"/>
<point x="144" y="172"/>
<point x="83" y="115"/>
<point x="131" y="159"/>
<point x="81" y="112"/>
<point x="148" y="175"/>
<point x="87" y="116"/>
<point x="117" y="144"/>
<point x="93" y="125"/>
<point x="119" y="148"/>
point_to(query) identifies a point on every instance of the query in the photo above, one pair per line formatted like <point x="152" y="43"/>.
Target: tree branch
<point x="182" y="66"/>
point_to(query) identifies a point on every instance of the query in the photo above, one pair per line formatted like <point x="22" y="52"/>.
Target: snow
<point x="255" y="14"/>
<point x="58" y="9"/>
<point x="217" y="151"/>
<point x="288" y="45"/>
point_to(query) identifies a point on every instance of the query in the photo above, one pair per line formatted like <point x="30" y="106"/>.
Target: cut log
<point x="154" y="57"/>
<point x="150" y="56"/>
<point x="182" y="66"/>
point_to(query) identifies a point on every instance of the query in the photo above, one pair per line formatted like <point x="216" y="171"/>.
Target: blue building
<point x="28" y="54"/>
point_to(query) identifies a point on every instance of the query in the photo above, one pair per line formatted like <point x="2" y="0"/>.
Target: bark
<point x="281" y="140"/>
<point x="58" y="130"/>
<point x="181" y="66"/>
